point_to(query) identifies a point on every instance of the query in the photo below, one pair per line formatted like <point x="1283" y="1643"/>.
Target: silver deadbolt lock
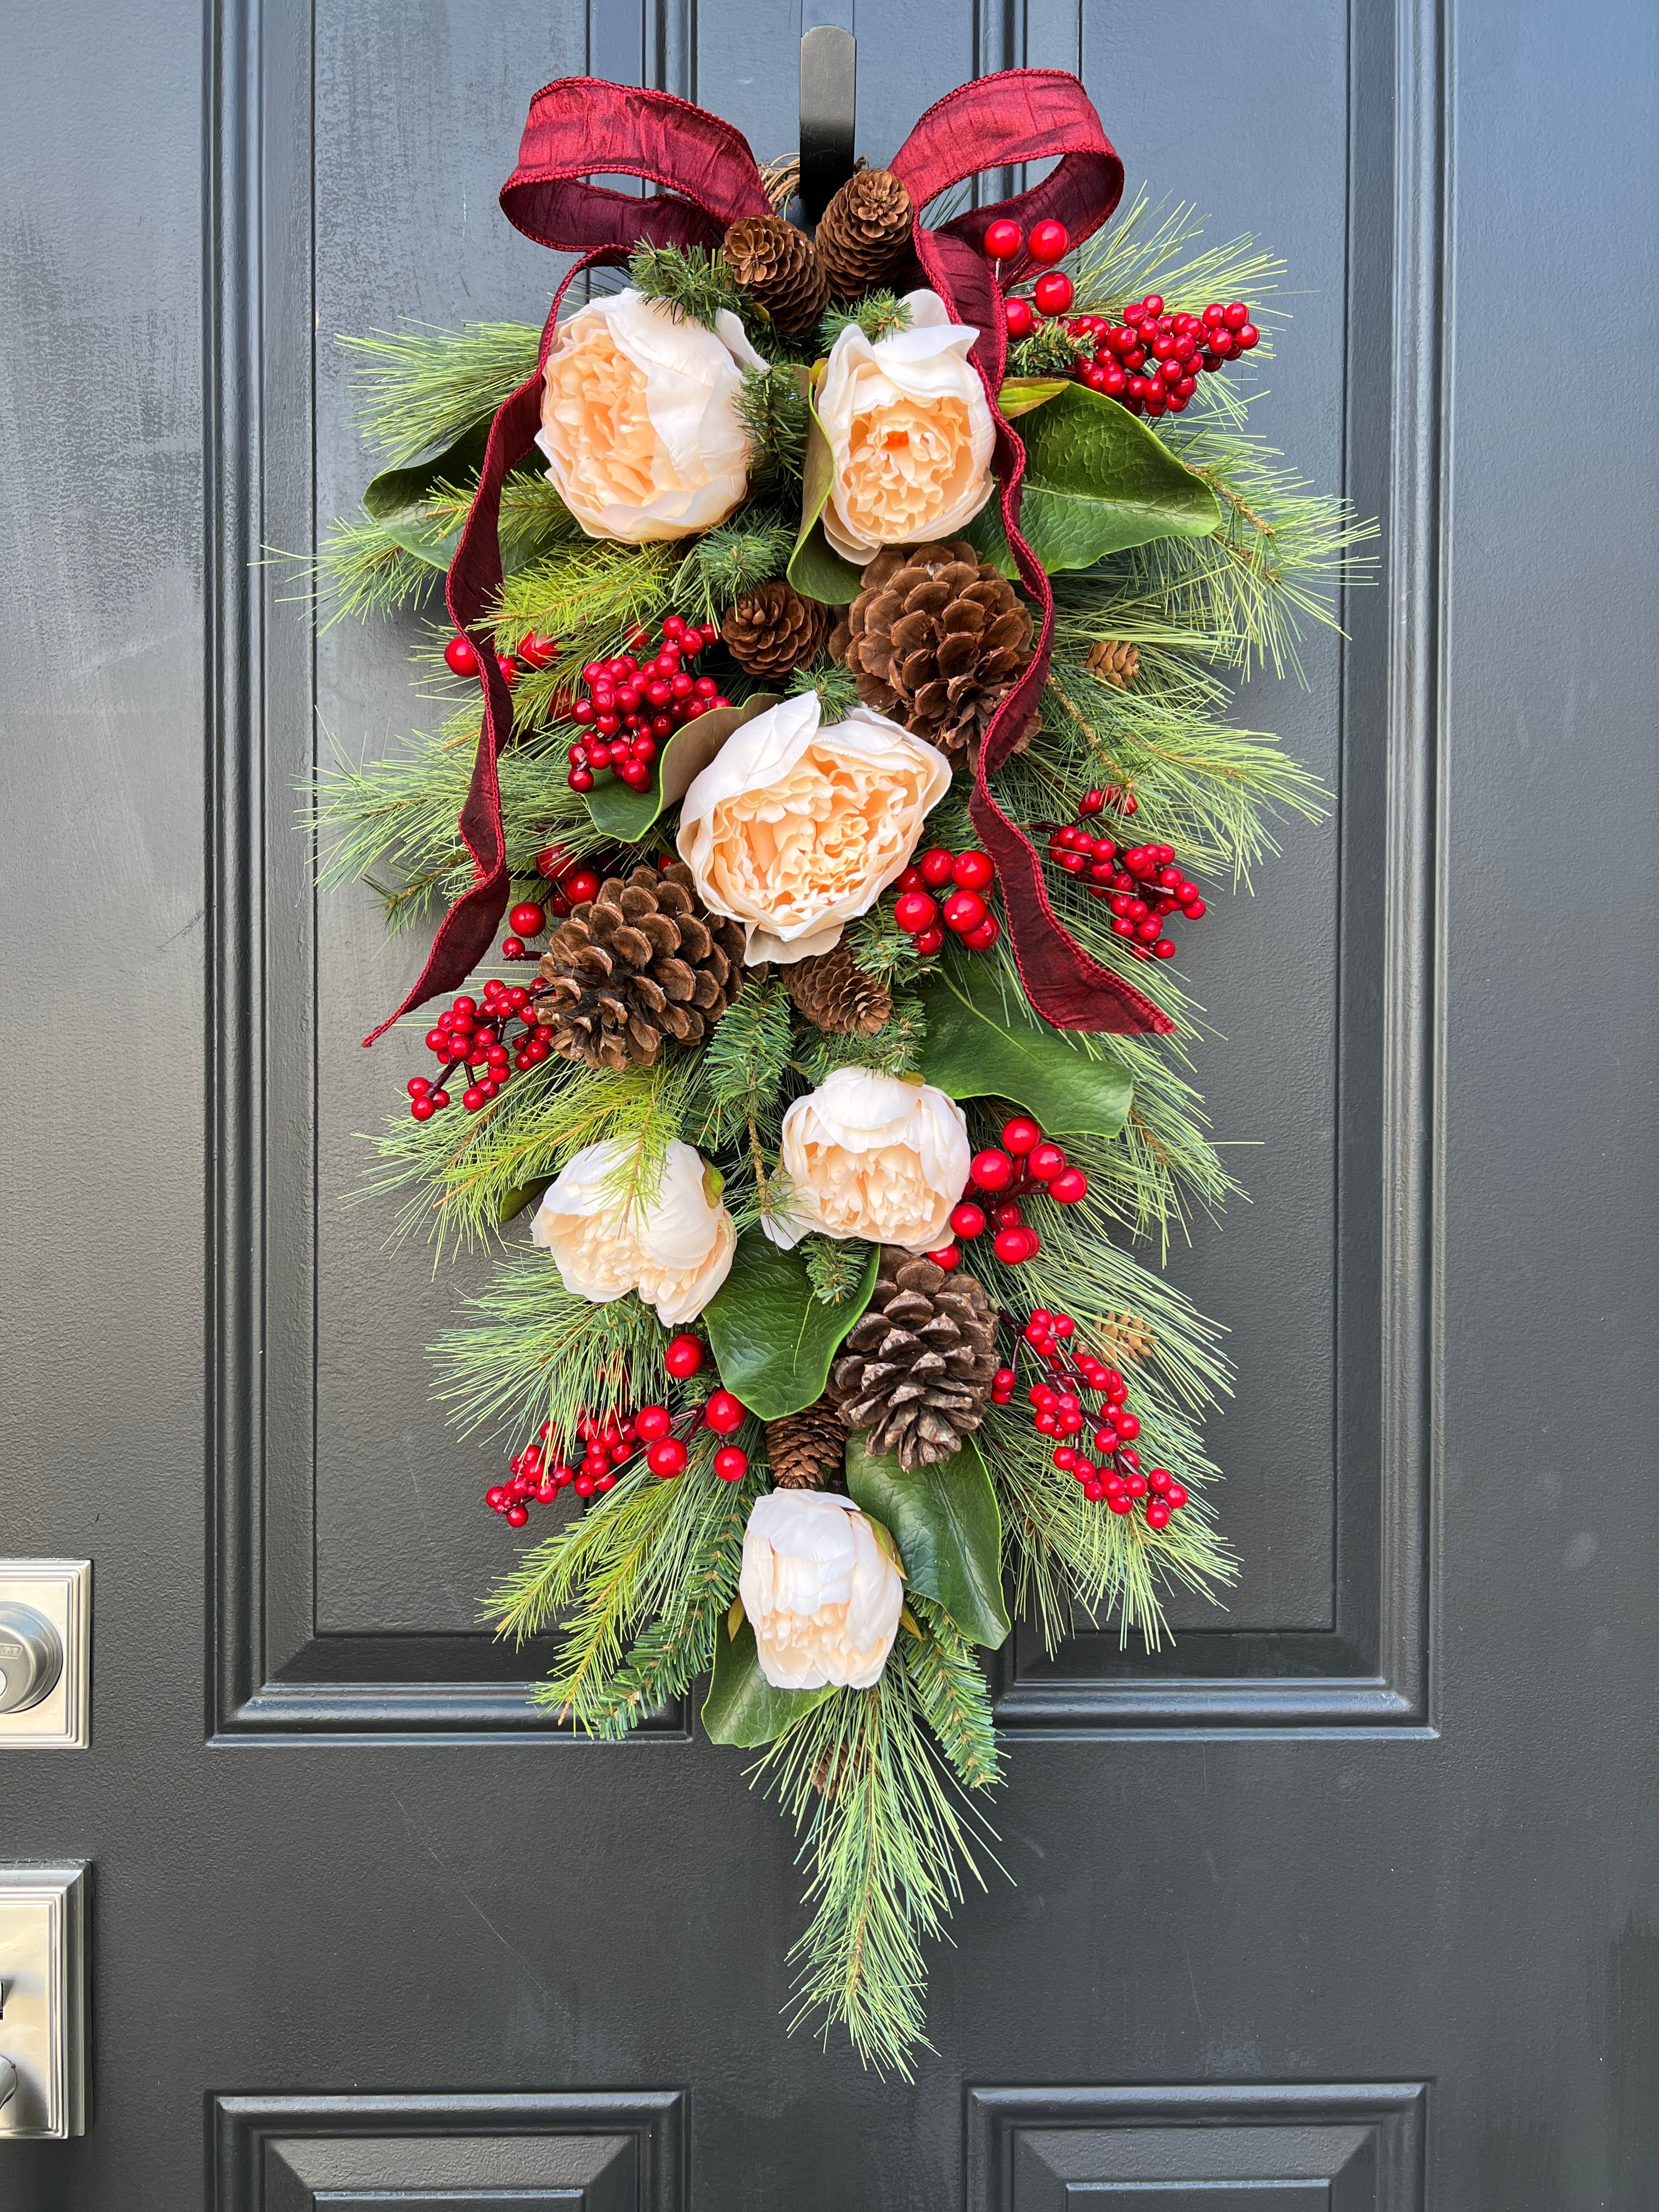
<point x="31" y="1657"/>
<point x="7" y="2080"/>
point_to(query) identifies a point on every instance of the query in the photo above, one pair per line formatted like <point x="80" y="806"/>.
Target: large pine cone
<point x="779" y="268"/>
<point x="863" y="231"/>
<point x="772" y="629"/>
<point x="641" y="962"/>
<point x="804" y="1451"/>
<point x="937" y="641"/>
<point x="917" y="1370"/>
<point x="835" y="995"/>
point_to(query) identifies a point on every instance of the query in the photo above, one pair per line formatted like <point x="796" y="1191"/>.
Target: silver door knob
<point x="7" y="2080"/>
<point x="31" y="1658"/>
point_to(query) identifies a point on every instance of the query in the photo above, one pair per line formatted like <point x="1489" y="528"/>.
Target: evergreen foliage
<point x="878" y="315"/>
<point x="773" y="410"/>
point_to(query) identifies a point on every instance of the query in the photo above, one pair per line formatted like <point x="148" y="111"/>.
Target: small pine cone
<point x="1114" y="664"/>
<point x="641" y="962"/>
<point x="772" y="629"/>
<point x="834" y="991"/>
<point x="779" y="268"/>
<point x="937" y="639"/>
<point x="916" y="1369"/>
<point x="805" y="1450"/>
<point x="863" y="232"/>
<point x="1129" y="1336"/>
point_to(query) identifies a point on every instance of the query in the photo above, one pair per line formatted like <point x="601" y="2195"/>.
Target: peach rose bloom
<point x="675" y="1251"/>
<point x="880" y="1157"/>
<point x="639" y="419"/>
<point x="793" y="829"/>
<point x="910" y="431"/>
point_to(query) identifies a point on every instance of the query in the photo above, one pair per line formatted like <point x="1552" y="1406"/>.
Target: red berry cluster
<point x="1113" y="1476"/>
<point x="534" y="652"/>
<point x="538" y="1472"/>
<point x="961" y="880"/>
<point x="1014" y="256"/>
<point x="1151" y="362"/>
<point x="1026" y="1164"/>
<point x="479" y="1040"/>
<point x="1143" y="884"/>
<point x="633" y="703"/>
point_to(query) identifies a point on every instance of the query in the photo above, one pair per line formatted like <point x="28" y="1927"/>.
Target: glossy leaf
<point x="521" y="1198"/>
<point x="1021" y="394"/>
<point x="980" y="1045"/>
<point x="816" y="569"/>
<point x="616" y="812"/>
<point x="742" y="1707"/>
<point x="1096" y="480"/>
<point x="948" y="1529"/>
<point x="398" y="499"/>
<point x="773" y="1340"/>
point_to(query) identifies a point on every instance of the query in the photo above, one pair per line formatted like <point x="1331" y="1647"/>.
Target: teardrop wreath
<point x="855" y="616"/>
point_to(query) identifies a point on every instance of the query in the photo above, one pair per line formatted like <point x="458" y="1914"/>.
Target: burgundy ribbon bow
<point x="708" y="178"/>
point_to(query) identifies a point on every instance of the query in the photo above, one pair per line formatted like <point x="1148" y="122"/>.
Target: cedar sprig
<point x="834" y="1268"/>
<point x="730" y="560"/>
<point x="1051" y="350"/>
<point x="695" y="283"/>
<point x="836" y="687"/>
<point x="879" y="314"/>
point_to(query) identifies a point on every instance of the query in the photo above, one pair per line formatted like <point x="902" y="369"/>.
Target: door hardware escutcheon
<point x="31" y="1658"/>
<point x="45" y="1655"/>
<point x="43" y="2044"/>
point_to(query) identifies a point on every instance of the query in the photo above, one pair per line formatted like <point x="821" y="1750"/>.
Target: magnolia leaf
<point x="949" y="1532"/>
<point x="988" y="1047"/>
<point x="735" y="1617"/>
<point x="816" y="569"/>
<point x="513" y="1202"/>
<point x="616" y="812"/>
<point x="1020" y="394"/>
<point x="399" y="499"/>
<point x="773" y="1340"/>
<point x="742" y="1707"/>
<point x="1097" y="481"/>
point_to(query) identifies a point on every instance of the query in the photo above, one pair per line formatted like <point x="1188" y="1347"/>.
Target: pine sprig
<point x="418" y="389"/>
<point x="541" y="1354"/>
<point x="879" y="314"/>
<point x="697" y="284"/>
<point x="952" y="1690"/>
<point x="731" y="560"/>
<point x="741" y="1075"/>
<point x="1145" y="249"/>
<point x="834" y="1268"/>
<point x="894" y="1049"/>
<point x="836" y="687"/>
<point x="772" y="409"/>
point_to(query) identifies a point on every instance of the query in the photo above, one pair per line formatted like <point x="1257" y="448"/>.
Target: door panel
<point x="1345" y="1900"/>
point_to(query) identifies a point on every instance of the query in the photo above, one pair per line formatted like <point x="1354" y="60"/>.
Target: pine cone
<point x="917" y="1370"/>
<point x="804" y="1451"/>
<point x="1129" y="1335"/>
<point x="640" y="963"/>
<point x="779" y="268"/>
<point x="772" y="629"/>
<point x="834" y="993"/>
<point x="1114" y="664"/>
<point x="937" y="641"/>
<point x="862" y="233"/>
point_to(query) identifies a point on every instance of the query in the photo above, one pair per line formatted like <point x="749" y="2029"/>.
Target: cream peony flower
<point x="675" y="1252"/>
<point x="873" y="1156"/>
<point x="910" y="430"/>
<point x="639" y="420"/>
<point x="824" y="1598"/>
<point x="792" y="829"/>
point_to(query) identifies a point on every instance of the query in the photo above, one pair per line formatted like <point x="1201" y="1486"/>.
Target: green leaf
<point x="772" y="1338"/>
<point x="816" y="569"/>
<point x="949" y="1532"/>
<point x="742" y="1707"/>
<point x="514" y="1201"/>
<point x="1096" y="480"/>
<point x="1021" y="394"/>
<point x="986" y="1047"/>
<point x="398" y="499"/>
<point x="616" y="812"/>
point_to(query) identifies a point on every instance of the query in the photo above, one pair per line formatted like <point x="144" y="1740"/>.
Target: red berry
<point x="724" y="1414"/>
<point x="1047" y="1161"/>
<point x="930" y="941"/>
<point x="1247" y="337"/>
<point x="526" y="920"/>
<point x="462" y="655"/>
<point x="938" y="867"/>
<point x="1003" y="1379"/>
<point x="584" y="884"/>
<point x="537" y="652"/>
<point x="964" y="910"/>
<point x="1174" y="1497"/>
<point x="1053" y="293"/>
<point x="992" y="1170"/>
<point x="1003" y="239"/>
<point x="1069" y="1186"/>
<point x="652" y="1423"/>
<point x="665" y="1458"/>
<point x="1235" y="316"/>
<point x="683" y="1357"/>
<point x="1128" y="1427"/>
<point x="947" y="1256"/>
<point x="972" y="871"/>
<point x="1019" y="317"/>
<point x="982" y="939"/>
<point x="911" y="880"/>
<point x="1091" y="802"/>
<point x="1157" y="1514"/>
<point x="731" y="1463"/>
<point x="509" y="668"/>
<point x="968" y="1220"/>
<point x="1011" y="1246"/>
<point x="517" y="1516"/>
<point x="513" y="948"/>
<point x="1047" y="242"/>
<point x="1020" y="1135"/>
<point x="422" y="1109"/>
<point x="914" y="912"/>
<point x="1007" y="1215"/>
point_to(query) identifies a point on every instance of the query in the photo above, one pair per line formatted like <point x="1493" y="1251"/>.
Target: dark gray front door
<point x="1349" y="1902"/>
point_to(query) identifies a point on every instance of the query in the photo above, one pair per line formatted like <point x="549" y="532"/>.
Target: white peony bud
<point x="640" y="423"/>
<point x="880" y="1157"/>
<point x="910" y="432"/>
<point x="675" y="1252"/>
<point x="822" y="1595"/>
